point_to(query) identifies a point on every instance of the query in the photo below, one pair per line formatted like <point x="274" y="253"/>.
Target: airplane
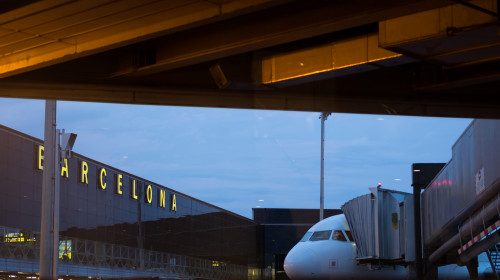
<point x="328" y="251"/>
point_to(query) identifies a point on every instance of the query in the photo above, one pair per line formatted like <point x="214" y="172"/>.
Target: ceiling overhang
<point x="427" y="58"/>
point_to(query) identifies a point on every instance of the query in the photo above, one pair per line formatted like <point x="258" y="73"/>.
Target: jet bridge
<point x="460" y="207"/>
<point x="382" y="226"/>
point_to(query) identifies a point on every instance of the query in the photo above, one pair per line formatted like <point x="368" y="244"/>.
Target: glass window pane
<point x="321" y="235"/>
<point x="306" y="236"/>
<point x="338" y="235"/>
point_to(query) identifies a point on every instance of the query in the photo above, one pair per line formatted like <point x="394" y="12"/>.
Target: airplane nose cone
<point x="300" y="263"/>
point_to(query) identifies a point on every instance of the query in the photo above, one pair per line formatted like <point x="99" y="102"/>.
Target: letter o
<point x="149" y="194"/>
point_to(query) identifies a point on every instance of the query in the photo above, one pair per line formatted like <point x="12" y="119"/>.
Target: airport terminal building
<point x="114" y="224"/>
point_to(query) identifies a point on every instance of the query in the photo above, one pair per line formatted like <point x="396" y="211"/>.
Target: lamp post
<point x="49" y="232"/>
<point x="323" y="118"/>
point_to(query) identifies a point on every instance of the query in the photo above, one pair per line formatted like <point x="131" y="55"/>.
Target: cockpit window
<point x="338" y="235"/>
<point x="306" y="236"/>
<point x="321" y="235"/>
<point x="349" y="235"/>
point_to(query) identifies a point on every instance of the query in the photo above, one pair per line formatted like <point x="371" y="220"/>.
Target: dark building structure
<point x="116" y="220"/>
<point x="281" y="229"/>
<point x="114" y="224"/>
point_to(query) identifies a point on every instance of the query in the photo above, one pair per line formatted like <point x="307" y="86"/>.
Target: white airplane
<point x="328" y="251"/>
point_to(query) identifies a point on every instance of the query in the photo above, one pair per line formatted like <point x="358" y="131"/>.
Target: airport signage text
<point x="102" y="183"/>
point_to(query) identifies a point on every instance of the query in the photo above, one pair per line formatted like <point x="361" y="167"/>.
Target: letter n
<point x="161" y="198"/>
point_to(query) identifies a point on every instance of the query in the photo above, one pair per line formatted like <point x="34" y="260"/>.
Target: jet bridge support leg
<point x="417" y="190"/>
<point x="472" y="266"/>
<point x="430" y="272"/>
<point x="422" y="175"/>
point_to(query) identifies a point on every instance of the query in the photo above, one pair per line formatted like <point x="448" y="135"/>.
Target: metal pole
<point x="323" y="117"/>
<point x="48" y="235"/>
<point x="417" y="190"/>
<point x="57" y="181"/>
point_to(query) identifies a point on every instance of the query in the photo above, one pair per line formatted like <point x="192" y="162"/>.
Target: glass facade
<point x="104" y="210"/>
<point x="112" y="221"/>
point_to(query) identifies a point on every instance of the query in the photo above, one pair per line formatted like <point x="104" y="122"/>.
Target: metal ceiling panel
<point x="4" y="31"/>
<point x="13" y="38"/>
<point x="41" y="54"/>
<point x="133" y="30"/>
<point x="122" y="20"/>
<point x="110" y="29"/>
<point x="103" y="11"/>
<point x="445" y="35"/>
<point x="51" y="14"/>
<point x="32" y="9"/>
<point x="24" y="45"/>
<point x="348" y="56"/>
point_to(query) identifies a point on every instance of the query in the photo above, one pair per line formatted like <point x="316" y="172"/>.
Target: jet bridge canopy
<point x="382" y="225"/>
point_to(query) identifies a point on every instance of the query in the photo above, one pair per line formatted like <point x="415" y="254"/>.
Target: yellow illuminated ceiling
<point x="356" y="56"/>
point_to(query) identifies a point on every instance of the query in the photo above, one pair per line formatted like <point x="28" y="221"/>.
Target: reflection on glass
<point x="65" y="249"/>
<point x="102" y="227"/>
<point x="338" y="235"/>
<point x="321" y="235"/>
<point x="306" y="236"/>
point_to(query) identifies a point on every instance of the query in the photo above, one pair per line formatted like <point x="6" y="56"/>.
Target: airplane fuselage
<point x="328" y="252"/>
<point x="333" y="259"/>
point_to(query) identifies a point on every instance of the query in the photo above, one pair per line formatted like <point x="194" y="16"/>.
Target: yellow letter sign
<point x="85" y="170"/>
<point x="40" y="157"/>
<point x="103" y="182"/>
<point x="161" y="198"/>
<point x="119" y="184"/>
<point x="64" y="169"/>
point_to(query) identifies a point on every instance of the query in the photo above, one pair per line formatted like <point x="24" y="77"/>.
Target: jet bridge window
<point x="338" y="235"/>
<point x="321" y="235"/>
<point x="306" y="236"/>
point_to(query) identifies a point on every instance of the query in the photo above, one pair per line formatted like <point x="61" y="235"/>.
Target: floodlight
<point x="67" y="142"/>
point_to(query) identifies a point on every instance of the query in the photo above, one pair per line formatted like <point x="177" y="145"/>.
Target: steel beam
<point x="58" y="31"/>
<point x="337" y="99"/>
<point x="272" y="27"/>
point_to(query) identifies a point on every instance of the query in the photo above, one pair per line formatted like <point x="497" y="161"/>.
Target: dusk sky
<point x="242" y="159"/>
